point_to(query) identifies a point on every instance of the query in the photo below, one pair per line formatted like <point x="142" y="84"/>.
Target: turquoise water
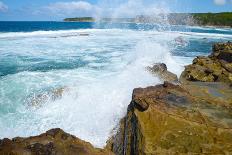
<point x="97" y="65"/>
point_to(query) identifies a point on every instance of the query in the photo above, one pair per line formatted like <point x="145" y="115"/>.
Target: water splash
<point x="114" y="62"/>
<point x="133" y="11"/>
<point x="97" y="96"/>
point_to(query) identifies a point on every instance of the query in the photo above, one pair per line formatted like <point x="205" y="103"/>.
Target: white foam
<point x="46" y="33"/>
<point x="98" y="97"/>
<point x="99" y="92"/>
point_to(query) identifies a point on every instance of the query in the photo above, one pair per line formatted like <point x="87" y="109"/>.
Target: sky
<point x="56" y="10"/>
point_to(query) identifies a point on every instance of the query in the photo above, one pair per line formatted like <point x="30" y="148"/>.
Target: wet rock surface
<point x="223" y="51"/>
<point x="188" y="119"/>
<point x="53" y="142"/>
<point x="193" y="117"/>
<point x="52" y="95"/>
<point x="215" y="68"/>
<point x="161" y="70"/>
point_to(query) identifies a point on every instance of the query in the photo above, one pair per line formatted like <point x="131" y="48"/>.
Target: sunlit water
<point x="98" y="72"/>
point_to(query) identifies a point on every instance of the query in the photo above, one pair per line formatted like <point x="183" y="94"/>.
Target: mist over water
<point x="97" y="72"/>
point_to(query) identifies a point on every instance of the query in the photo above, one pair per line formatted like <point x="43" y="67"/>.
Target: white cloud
<point x="220" y="2"/>
<point x="3" y="7"/>
<point x="68" y="8"/>
<point x="132" y="8"/>
<point x="71" y="6"/>
<point x="107" y="8"/>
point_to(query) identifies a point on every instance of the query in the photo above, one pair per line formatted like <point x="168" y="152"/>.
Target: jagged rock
<point x="51" y="95"/>
<point x="190" y="119"/>
<point x="53" y="142"/>
<point x="84" y="34"/>
<point x="223" y="51"/>
<point x="215" y="68"/>
<point x="115" y="143"/>
<point x="161" y="70"/>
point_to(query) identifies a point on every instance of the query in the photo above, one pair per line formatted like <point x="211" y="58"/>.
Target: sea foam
<point x="99" y="92"/>
<point x="100" y="71"/>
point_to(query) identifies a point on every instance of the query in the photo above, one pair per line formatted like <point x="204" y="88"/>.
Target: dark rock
<point x="223" y="51"/>
<point x="40" y="149"/>
<point x="53" y="142"/>
<point x="215" y="68"/>
<point x="180" y="119"/>
<point x="159" y="67"/>
<point x="53" y="132"/>
<point x="160" y="70"/>
<point x="227" y="66"/>
<point x="64" y="136"/>
<point x="52" y="95"/>
<point x="115" y="143"/>
<point x="84" y="34"/>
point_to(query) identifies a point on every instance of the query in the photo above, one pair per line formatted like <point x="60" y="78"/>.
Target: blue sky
<point x="58" y="9"/>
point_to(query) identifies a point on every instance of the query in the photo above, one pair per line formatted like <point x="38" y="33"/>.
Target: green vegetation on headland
<point x="201" y="19"/>
<point x="80" y="19"/>
<point x="91" y="19"/>
<point x="214" y="19"/>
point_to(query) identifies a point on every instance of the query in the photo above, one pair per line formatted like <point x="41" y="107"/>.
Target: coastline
<point x="197" y="25"/>
<point x="180" y="112"/>
<point x="216" y="20"/>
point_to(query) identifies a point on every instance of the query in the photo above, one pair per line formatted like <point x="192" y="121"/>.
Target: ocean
<point x="95" y="66"/>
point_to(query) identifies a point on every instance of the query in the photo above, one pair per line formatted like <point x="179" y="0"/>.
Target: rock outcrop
<point x="215" y="68"/>
<point x="194" y="117"/>
<point x="53" y="142"/>
<point x="52" y="95"/>
<point x="191" y="118"/>
<point x="161" y="70"/>
<point x="171" y="119"/>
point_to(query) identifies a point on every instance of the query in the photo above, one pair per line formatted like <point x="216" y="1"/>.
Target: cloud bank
<point x="3" y="7"/>
<point x="220" y="2"/>
<point x="70" y="6"/>
<point x="63" y="9"/>
<point x="107" y="8"/>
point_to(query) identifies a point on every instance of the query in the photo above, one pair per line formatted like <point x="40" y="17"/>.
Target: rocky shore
<point x="189" y="115"/>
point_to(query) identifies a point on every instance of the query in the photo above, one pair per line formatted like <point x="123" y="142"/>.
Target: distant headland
<point x="223" y="19"/>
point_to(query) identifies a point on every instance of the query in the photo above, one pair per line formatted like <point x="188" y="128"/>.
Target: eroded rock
<point x="222" y="51"/>
<point x="53" y="142"/>
<point x="189" y="119"/>
<point x="161" y="70"/>
<point x="215" y="68"/>
<point x="52" y="95"/>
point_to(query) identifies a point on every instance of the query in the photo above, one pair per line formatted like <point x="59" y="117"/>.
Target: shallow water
<point x="99" y="71"/>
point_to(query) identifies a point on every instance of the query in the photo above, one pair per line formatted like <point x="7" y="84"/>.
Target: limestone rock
<point x="52" y="95"/>
<point x="223" y="51"/>
<point x="215" y="68"/>
<point x="53" y="142"/>
<point x="161" y="70"/>
<point x="189" y="119"/>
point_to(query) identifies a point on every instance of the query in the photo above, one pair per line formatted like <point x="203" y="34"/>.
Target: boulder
<point x="189" y="119"/>
<point x="222" y="51"/>
<point x="215" y="68"/>
<point x="161" y="70"/>
<point x="53" y="142"/>
<point x="52" y="95"/>
<point x="84" y="34"/>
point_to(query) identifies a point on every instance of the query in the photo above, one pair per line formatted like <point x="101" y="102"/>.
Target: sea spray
<point x="97" y="97"/>
<point x="100" y="72"/>
<point x="99" y="91"/>
<point x="146" y="15"/>
<point x="97" y="107"/>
